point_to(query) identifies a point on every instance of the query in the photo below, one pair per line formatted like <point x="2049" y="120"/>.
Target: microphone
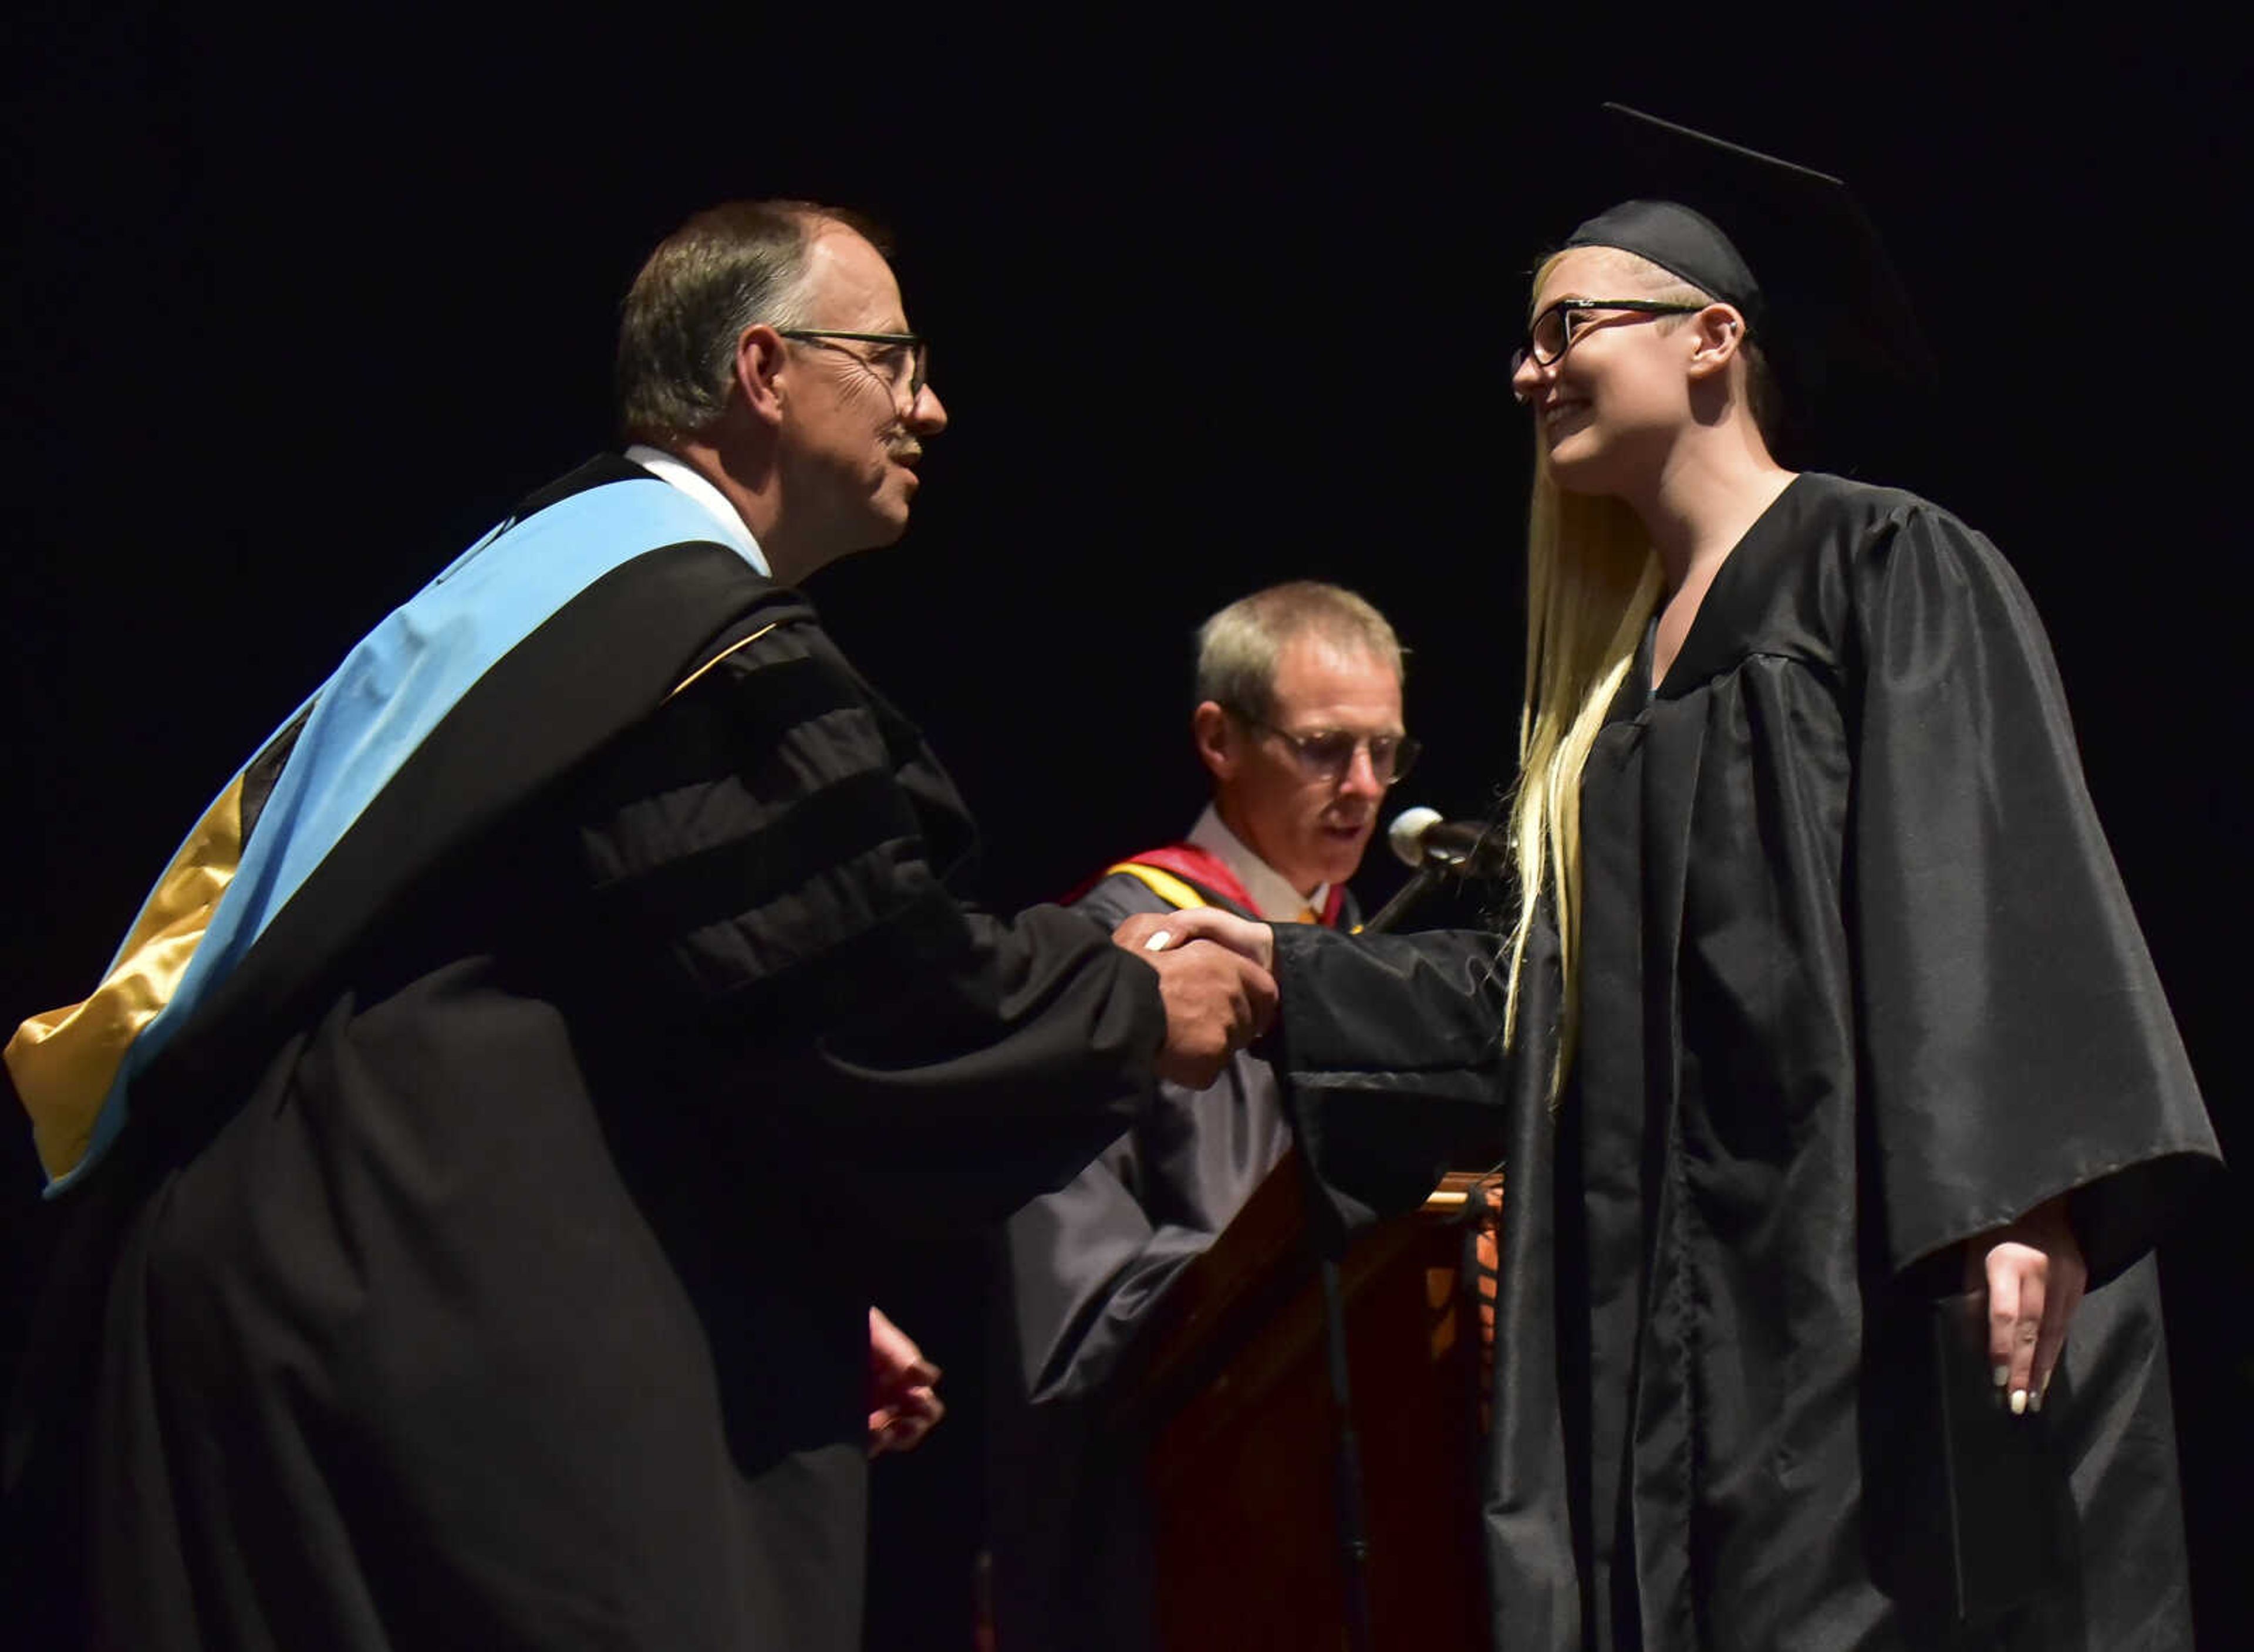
<point x="1469" y="849"/>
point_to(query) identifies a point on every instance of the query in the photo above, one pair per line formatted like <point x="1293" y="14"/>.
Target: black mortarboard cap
<point x="1787" y="245"/>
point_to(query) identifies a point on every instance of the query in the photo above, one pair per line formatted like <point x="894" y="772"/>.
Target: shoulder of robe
<point x="1876" y="541"/>
<point x="772" y="627"/>
<point x="1871" y="525"/>
<point x="1118" y="896"/>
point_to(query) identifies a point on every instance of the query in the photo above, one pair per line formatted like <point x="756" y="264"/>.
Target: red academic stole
<point x="1207" y="875"/>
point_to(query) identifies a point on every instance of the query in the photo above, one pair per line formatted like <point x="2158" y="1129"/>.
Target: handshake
<point x="1214" y="973"/>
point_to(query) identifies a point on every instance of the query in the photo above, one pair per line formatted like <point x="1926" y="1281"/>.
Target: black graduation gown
<point x="1859" y="982"/>
<point x="489" y="1265"/>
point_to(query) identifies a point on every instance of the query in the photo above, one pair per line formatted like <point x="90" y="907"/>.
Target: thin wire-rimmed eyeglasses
<point x="1556" y="328"/>
<point x="918" y="349"/>
<point x="1328" y="754"/>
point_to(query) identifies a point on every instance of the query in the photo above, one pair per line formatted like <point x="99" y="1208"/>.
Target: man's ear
<point x="759" y="372"/>
<point x="1716" y="332"/>
<point x="1215" y="735"/>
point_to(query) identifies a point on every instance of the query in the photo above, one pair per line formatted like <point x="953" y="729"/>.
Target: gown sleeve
<point x="1088" y="1263"/>
<point x="767" y="855"/>
<point x="1392" y="1048"/>
<point x="2015" y="1039"/>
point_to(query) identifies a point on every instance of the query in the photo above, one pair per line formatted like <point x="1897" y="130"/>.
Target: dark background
<point x="299" y="310"/>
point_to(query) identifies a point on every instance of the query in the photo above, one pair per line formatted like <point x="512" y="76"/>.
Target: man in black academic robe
<point x="1299" y="723"/>
<point x="1859" y="984"/>
<point x="477" y="1247"/>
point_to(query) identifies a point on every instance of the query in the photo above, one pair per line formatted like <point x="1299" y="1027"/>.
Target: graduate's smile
<point x="1557" y="412"/>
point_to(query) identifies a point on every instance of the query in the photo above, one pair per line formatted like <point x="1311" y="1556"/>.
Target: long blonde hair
<point x="1592" y="583"/>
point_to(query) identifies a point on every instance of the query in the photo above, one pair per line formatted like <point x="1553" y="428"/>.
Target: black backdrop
<point x="301" y="306"/>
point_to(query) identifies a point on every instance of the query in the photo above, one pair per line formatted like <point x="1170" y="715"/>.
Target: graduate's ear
<point x="1716" y="332"/>
<point x="1217" y="740"/>
<point x="759" y="372"/>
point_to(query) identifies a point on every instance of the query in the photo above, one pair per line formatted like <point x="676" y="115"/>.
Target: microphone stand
<point x="1426" y="879"/>
<point x="1479" y="859"/>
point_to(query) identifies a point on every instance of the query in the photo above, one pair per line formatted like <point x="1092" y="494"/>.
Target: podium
<point x="1234" y="1394"/>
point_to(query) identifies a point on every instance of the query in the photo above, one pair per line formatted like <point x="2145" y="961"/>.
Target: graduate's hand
<point x="1158" y="931"/>
<point x="1217" y="1002"/>
<point x="2034" y="1276"/>
<point x="902" y="1403"/>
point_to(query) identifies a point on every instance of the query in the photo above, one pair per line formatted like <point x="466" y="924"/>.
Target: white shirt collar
<point x="1272" y="894"/>
<point x="693" y="482"/>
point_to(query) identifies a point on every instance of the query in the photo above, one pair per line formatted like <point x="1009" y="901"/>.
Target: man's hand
<point x="2034" y="1277"/>
<point x="1217" y="1001"/>
<point x="1161" y="931"/>
<point x="902" y="1406"/>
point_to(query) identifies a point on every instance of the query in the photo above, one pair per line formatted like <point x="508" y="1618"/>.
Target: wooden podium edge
<point x="1216" y="1304"/>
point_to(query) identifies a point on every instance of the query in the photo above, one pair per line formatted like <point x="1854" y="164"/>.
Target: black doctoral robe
<point x="1859" y="982"/>
<point x="487" y="1264"/>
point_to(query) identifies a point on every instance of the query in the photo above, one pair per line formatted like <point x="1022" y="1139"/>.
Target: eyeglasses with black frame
<point x="1328" y="754"/>
<point x="1556" y="328"/>
<point x="918" y="349"/>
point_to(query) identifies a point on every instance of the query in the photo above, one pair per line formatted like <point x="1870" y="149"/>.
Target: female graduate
<point x="1830" y="1022"/>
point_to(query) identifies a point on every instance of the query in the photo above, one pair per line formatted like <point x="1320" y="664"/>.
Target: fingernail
<point x="2035" y="1400"/>
<point x="1158" y="942"/>
<point x="2019" y="1402"/>
<point x="2003" y="1374"/>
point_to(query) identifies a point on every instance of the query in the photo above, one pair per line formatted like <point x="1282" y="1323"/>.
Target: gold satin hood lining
<point x="64" y="1061"/>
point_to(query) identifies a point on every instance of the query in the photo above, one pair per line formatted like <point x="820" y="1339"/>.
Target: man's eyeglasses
<point x="1556" y="328"/>
<point x="1328" y="754"/>
<point x="909" y="351"/>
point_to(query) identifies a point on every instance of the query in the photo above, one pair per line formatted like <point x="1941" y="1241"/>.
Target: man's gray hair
<point x="1239" y="648"/>
<point x="729" y="268"/>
